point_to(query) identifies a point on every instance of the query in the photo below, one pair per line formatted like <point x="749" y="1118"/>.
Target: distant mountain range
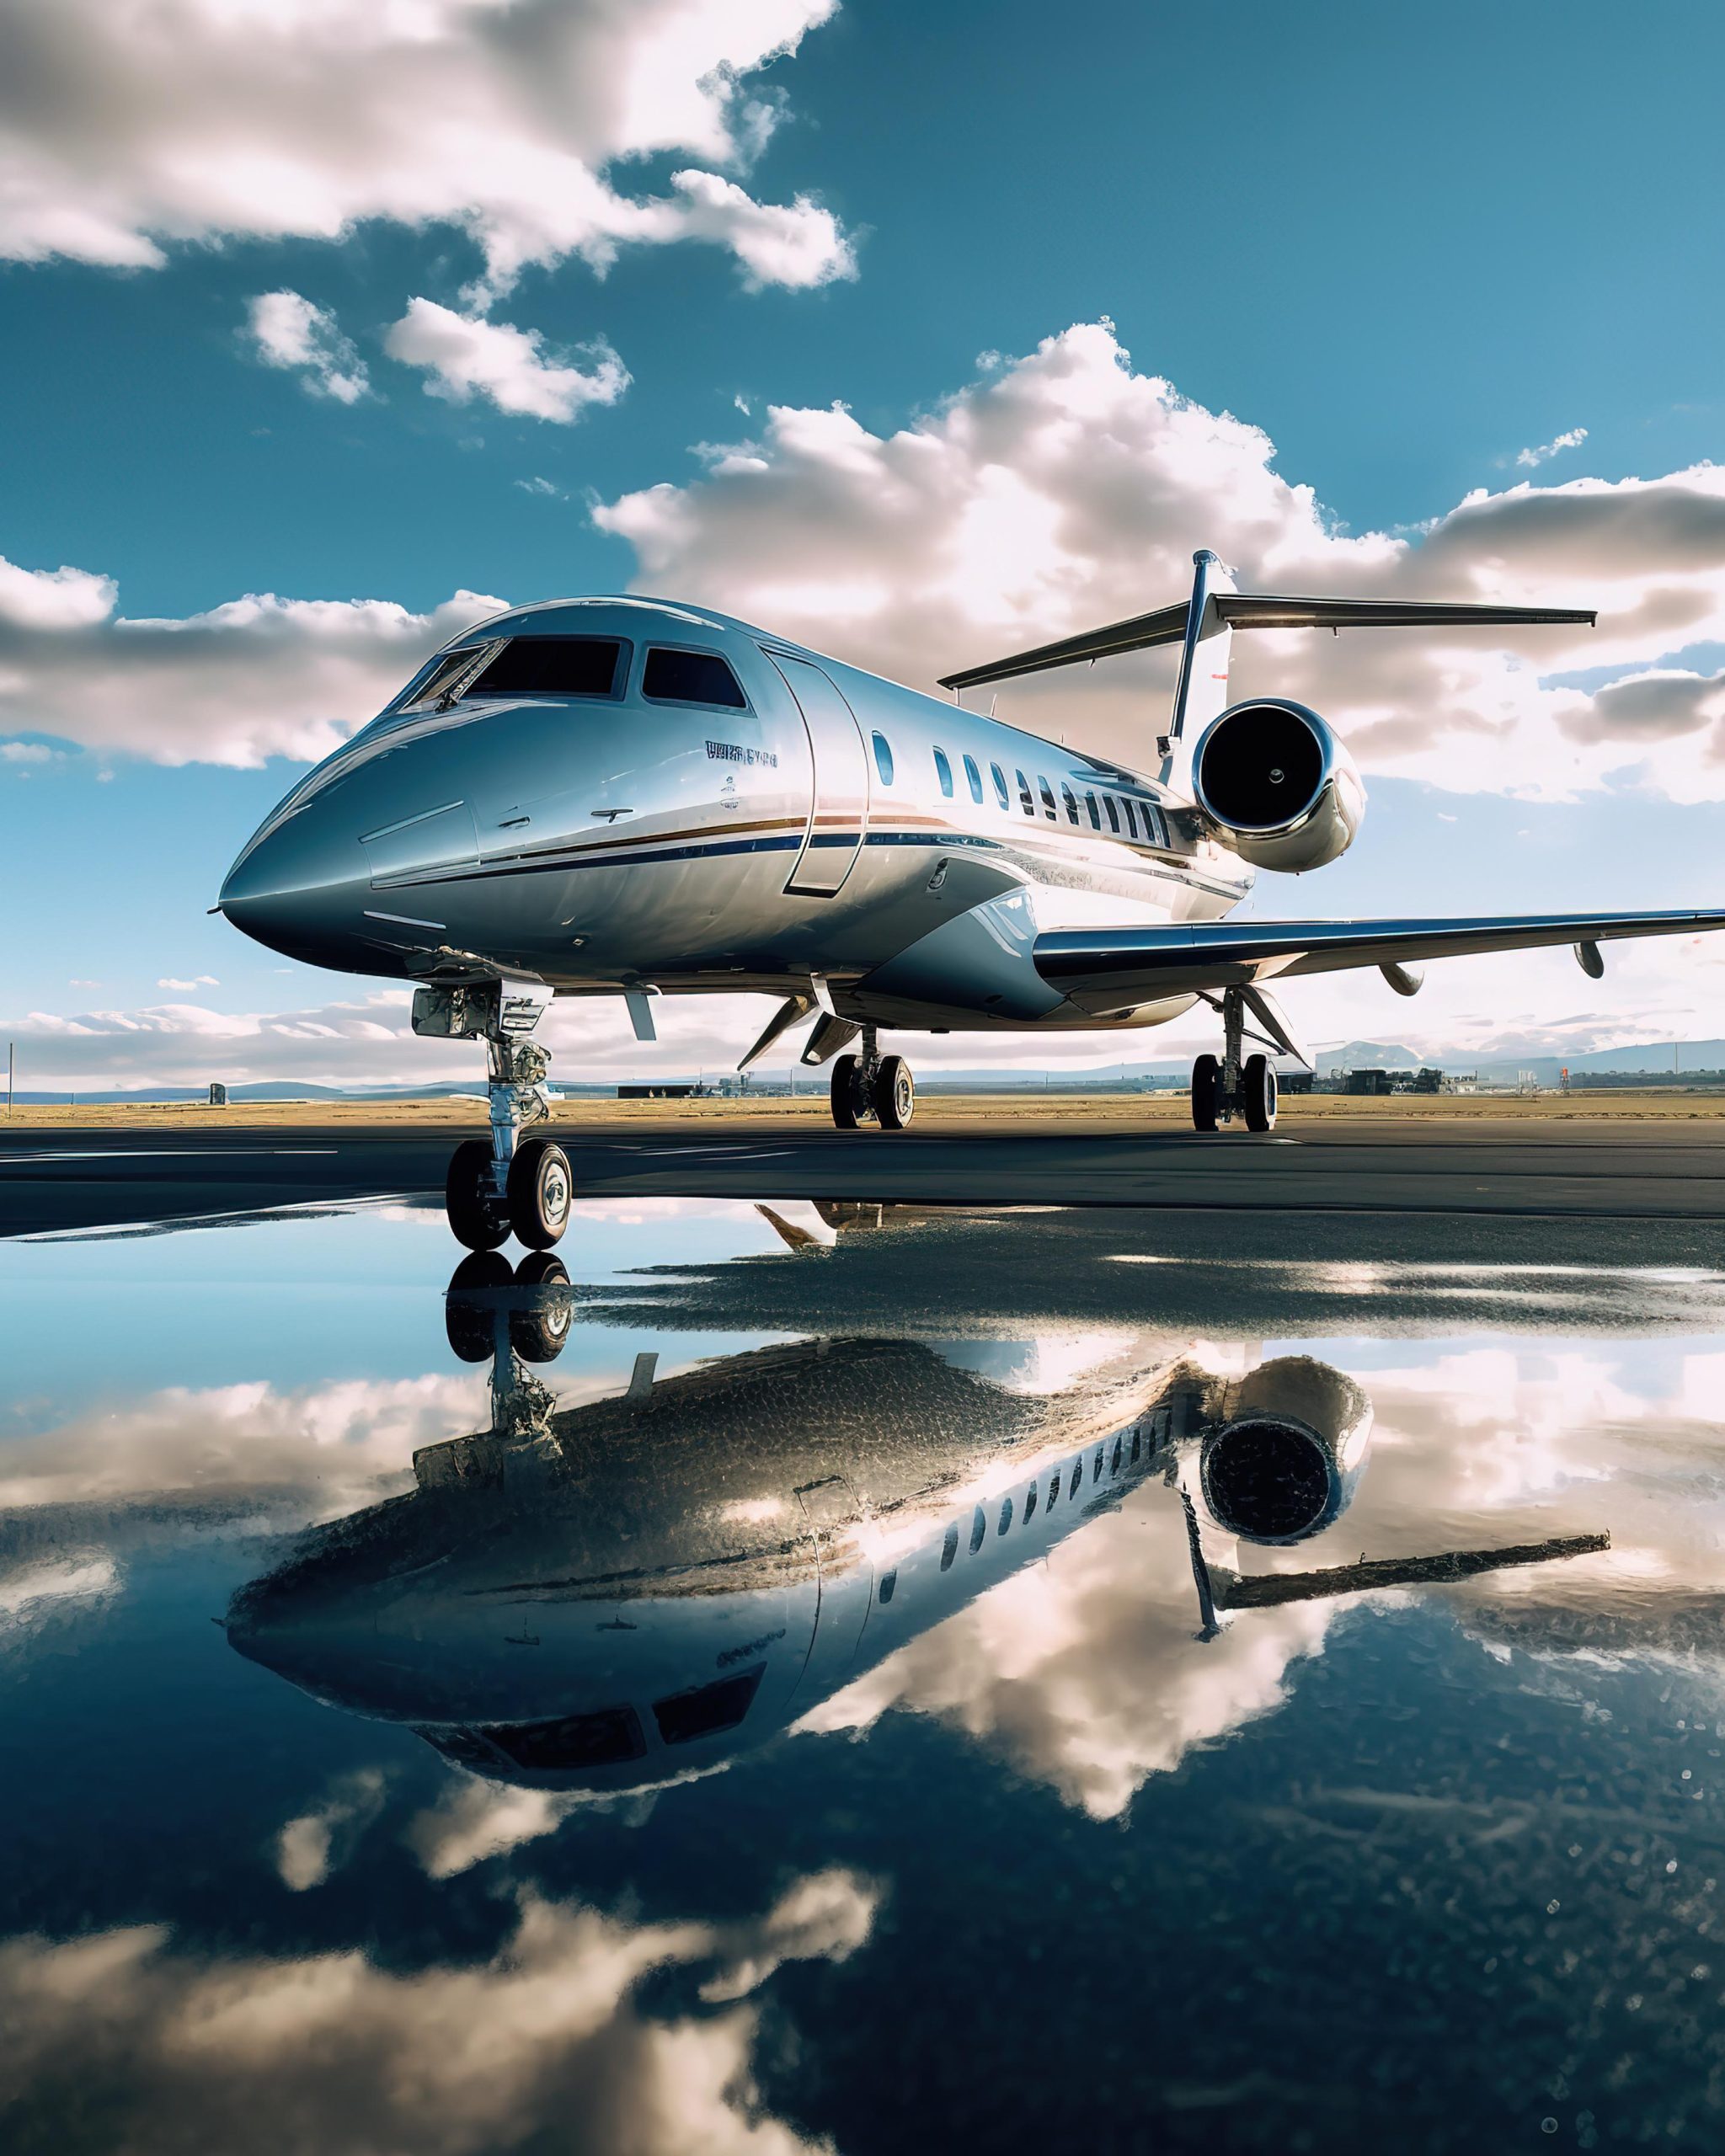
<point x="1652" y="1058"/>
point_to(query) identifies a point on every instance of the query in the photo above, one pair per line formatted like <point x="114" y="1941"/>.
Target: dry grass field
<point x="947" y="1111"/>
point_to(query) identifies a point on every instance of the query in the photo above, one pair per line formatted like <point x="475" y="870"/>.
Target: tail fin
<point x="1202" y="691"/>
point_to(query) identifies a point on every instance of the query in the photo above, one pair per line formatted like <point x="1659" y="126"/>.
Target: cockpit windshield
<point x="604" y="1738"/>
<point x="551" y="666"/>
<point x="520" y="666"/>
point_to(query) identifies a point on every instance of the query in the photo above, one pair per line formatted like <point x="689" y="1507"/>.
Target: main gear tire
<point x="894" y="1091"/>
<point x="1257" y="1086"/>
<point x="476" y="1215"/>
<point x="540" y="1193"/>
<point x="846" y="1092"/>
<point x="1206" y="1093"/>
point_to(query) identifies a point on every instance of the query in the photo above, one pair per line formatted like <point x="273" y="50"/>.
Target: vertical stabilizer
<point x="1202" y="691"/>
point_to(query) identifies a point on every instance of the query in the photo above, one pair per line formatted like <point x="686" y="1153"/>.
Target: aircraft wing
<point x="1107" y="969"/>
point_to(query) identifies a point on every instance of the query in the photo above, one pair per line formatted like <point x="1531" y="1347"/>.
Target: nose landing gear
<point x="873" y="1084"/>
<point x="500" y="1186"/>
<point x="1231" y="1085"/>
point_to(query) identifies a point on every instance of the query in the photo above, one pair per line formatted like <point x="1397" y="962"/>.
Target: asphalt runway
<point x="1644" y="1192"/>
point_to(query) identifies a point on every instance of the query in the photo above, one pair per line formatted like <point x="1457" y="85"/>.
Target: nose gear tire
<point x="1206" y="1093"/>
<point x="541" y="1190"/>
<point x="467" y="1321"/>
<point x="470" y="1198"/>
<point x="1258" y="1085"/>
<point x="895" y="1092"/>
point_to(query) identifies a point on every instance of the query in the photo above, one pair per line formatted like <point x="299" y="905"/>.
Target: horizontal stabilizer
<point x="1248" y="609"/>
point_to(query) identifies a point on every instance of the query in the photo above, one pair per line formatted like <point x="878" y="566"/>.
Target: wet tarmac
<point x="1654" y="1183"/>
<point x="801" y="1669"/>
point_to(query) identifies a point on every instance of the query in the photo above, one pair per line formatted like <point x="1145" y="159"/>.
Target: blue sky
<point x="1407" y="247"/>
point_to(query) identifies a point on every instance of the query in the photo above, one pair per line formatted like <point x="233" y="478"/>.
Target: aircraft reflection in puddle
<point x="632" y="1590"/>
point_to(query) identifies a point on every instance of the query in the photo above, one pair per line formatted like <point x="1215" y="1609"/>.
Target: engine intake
<point x="1285" y="1461"/>
<point x="1277" y="786"/>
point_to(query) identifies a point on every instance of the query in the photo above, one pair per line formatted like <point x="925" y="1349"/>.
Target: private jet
<point x="634" y="797"/>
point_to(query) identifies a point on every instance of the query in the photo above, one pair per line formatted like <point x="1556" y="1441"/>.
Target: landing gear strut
<point x="873" y="1084"/>
<point x="1233" y="1086"/>
<point x="502" y="1184"/>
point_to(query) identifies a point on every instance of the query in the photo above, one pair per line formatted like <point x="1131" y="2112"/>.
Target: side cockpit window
<point x="441" y="675"/>
<point x="691" y="677"/>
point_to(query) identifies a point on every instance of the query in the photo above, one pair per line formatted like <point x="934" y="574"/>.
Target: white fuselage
<point x="831" y="824"/>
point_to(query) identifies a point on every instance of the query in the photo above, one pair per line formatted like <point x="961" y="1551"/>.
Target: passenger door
<point x="838" y="801"/>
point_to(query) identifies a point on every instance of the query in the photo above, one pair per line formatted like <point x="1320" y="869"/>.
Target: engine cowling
<point x="1290" y="1449"/>
<point x="1277" y="785"/>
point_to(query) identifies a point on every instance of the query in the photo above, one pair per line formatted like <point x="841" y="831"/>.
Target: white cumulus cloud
<point x="318" y="1842"/>
<point x="331" y="2050"/>
<point x="127" y="128"/>
<point x="466" y="356"/>
<point x="1547" y="450"/>
<point x="287" y="330"/>
<point x="1066" y="488"/>
<point x="255" y="677"/>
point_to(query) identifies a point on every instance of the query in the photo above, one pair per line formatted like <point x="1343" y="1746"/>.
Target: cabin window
<point x="949" y="1548"/>
<point x="1030" y="1497"/>
<point x="1077" y="1482"/>
<point x="555" y="666"/>
<point x="1108" y="802"/>
<point x="1002" y="792"/>
<point x="1135" y="1442"/>
<point x="883" y="759"/>
<point x="889" y="1582"/>
<point x="603" y="1739"/>
<point x="671" y="677"/>
<point x="975" y="776"/>
<point x="709" y="1708"/>
<point x="1095" y="813"/>
<point x="1024" y="801"/>
<point x="1046" y="791"/>
<point x="1131" y="820"/>
<point x="943" y="772"/>
<point x="1006" y="1516"/>
<point x="1156" y="829"/>
<point x="1069" y="804"/>
<point x="1095" y="1467"/>
<point x="1054" y="1490"/>
<point x="1115" y="1463"/>
<point x="978" y="1529"/>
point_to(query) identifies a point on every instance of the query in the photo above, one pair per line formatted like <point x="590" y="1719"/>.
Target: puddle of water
<point x="760" y="1678"/>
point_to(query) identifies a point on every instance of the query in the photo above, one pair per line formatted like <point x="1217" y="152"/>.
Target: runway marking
<point x="707" y="1152"/>
<point x="141" y="1153"/>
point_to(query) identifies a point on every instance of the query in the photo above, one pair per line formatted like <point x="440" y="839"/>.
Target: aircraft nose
<point x="298" y="888"/>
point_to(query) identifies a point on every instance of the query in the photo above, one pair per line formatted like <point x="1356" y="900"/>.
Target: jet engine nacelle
<point x="1289" y="1447"/>
<point x="1277" y="786"/>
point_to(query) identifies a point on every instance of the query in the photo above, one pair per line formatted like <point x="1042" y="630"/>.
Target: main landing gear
<point x="503" y="1185"/>
<point x="1227" y="1086"/>
<point x="873" y="1084"/>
